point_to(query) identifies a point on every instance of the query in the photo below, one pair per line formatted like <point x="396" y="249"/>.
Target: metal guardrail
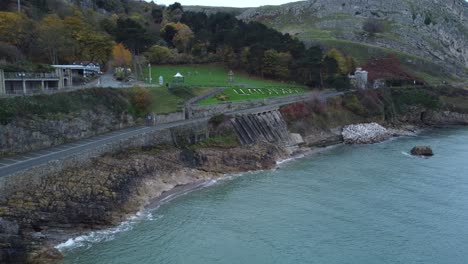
<point x="45" y="92"/>
<point x="29" y="75"/>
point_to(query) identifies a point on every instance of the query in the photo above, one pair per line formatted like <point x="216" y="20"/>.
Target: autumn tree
<point x="351" y="64"/>
<point x="53" y="37"/>
<point x="158" y="54"/>
<point x="229" y="57"/>
<point x="82" y="41"/>
<point x="179" y="34"/>
<point x="16" y="29"/>
<point x="183" y="38"/>
<point x="121" y="55"/>
<point x="141" y="100"/>
<point x="340" y="59"/>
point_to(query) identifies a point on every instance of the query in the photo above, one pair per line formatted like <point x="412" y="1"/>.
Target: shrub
<point x="352" y="103"/>
<point x="159" y="55"/>
<point x="295" y="111"/>
<point x="415" y="96"/>
<point x="141" y="100"/>
<point x="63" y="103"/>
<point x="318" y="106"/>
<point x="371" y="101"/>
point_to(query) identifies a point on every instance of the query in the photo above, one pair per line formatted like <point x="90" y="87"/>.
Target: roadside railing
<point x="30" y="75"/>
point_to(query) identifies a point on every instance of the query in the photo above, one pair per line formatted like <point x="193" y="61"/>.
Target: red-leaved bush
<point x="295" y="111"/>
<point x="387" y="68"/>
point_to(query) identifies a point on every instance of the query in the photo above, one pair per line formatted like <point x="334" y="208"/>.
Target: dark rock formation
<point x="12" y="249"/>
<point x="422" y="151"/>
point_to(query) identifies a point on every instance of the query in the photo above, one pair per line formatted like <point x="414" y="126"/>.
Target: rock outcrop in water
<point x="364" y="133"/>
<point x="422" y="151"/>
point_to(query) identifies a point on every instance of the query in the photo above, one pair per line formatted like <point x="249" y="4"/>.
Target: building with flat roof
<point x="22" y="83"/>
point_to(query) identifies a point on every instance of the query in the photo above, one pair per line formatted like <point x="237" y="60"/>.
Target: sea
<point x="346" y="204"/>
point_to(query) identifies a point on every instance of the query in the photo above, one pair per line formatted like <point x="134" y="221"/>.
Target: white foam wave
<point x="279" y="162"/>
<point x="104" y="235"/>
<point x="406" y="154"/>
<point x="109" y="234"/>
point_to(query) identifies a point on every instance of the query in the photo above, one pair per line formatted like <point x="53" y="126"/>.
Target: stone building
<point x="361" y="77"/>
<point x="21" y="83"/>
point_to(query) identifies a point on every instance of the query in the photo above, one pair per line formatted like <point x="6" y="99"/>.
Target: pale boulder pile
<point x="365" y="133"/>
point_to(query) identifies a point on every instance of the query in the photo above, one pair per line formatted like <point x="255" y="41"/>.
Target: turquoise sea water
<point x="349" y="204"/>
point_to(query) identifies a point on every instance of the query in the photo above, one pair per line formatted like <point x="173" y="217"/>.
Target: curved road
<point x="29" y="160"/>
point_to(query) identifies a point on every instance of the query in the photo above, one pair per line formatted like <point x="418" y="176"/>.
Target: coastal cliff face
<point x="431" y="29"/>
<point x="114" y="186"/>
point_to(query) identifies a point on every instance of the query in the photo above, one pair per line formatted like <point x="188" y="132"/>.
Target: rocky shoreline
<point x="79" y="200"/>
<point x="171" y="191"/>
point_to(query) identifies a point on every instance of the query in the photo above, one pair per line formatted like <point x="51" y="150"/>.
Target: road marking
<point x="96" y="141"/>
<point x="63" y="147"/>
<point x="23" y="157"/>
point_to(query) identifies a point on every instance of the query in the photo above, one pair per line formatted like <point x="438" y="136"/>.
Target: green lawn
<point x="168" y="101"/>
<point x="210" y="76"/>
<point x="199" y="79"/>
<point x="240" y="93"/>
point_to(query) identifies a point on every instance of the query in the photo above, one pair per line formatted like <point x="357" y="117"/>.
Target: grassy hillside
<point x="428" y="36"/>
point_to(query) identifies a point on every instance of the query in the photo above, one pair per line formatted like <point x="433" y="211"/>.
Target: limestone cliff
<point x="431" y="29"/>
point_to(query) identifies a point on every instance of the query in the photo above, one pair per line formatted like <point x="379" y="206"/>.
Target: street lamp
<point x="23" y="75"/>
<point x="19" y="6"/>
<point x="149" y="73"/>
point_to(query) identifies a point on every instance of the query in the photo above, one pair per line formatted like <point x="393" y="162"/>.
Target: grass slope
<point x="172" y="100"/>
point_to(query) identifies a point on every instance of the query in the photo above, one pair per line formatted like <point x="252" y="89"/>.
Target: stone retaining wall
<point x="33" y="176"/>
<point x="169" y="118"/>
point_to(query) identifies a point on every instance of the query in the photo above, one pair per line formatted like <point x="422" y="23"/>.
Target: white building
<point x="361" y="78"/>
